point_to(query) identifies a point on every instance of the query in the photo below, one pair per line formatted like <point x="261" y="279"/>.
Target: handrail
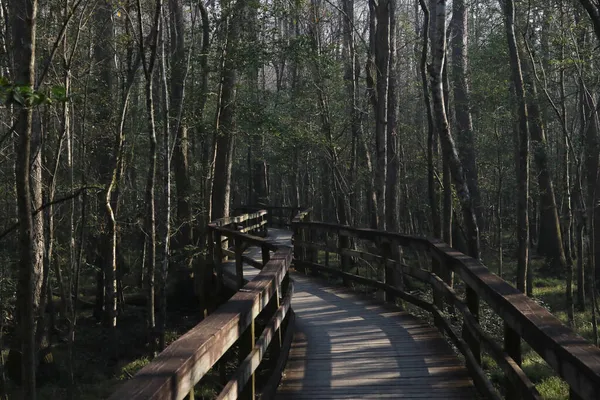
<point x="229" y="228"/>
<point x="573" y="358"/>
<point x="284" y="214"/>
<point x="174" y="372"/>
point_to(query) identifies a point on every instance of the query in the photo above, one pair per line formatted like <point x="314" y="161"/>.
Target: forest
<point x="128" y="125"/>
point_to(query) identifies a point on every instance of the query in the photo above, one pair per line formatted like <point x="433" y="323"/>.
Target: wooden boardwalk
<point x="347" y="346"/>
<point x="280" y="237"/>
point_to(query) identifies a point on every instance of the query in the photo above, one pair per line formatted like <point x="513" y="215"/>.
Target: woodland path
<point x="347" y="346"/>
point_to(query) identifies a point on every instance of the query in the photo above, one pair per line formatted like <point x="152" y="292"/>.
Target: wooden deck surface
<point x="347" y="346"/>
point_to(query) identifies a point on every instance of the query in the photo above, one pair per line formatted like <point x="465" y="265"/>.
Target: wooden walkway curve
<point x="347" y="346"/>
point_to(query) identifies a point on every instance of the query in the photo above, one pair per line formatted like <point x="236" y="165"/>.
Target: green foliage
<point x="130" y="369"/>
<point x="553" y="388"/>
<point x="25" y="96"/>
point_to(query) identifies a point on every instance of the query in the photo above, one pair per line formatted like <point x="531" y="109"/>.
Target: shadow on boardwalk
<point x="347" y="346"/>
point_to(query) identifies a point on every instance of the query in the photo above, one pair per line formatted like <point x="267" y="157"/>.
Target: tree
<point x="522" y="140"/>
<point x="443" y="128"/>
<point x="382" y="60"/>
<point x="178" y="125"/>
<point x="225" y="117"/>
<point x="594" y="12"/>
<point x="28" y="169"/>
<point x="391" y="191"/>
<point x="434" y="202"/>
<point x="462" y="105"/>
<point x="148" y="64"/>
<point x="550" y="237"/>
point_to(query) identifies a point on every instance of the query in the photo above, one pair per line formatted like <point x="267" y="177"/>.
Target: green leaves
<point x="26" y="96"/>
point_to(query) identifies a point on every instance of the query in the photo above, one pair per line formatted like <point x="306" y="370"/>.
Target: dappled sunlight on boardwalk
<point x="349" y="347"/>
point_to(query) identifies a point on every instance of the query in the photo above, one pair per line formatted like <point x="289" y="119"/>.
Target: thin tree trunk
<point x="550" y="241"/>
<point x="391" y="199"/>
<point x="225" y="119"/>
<point x="178" y="125"/>
<point x="522" y="155"/>
<point x="446" y="173"/>
<point x="150" y="221"/>
<point x="462" y="104"/>
<point x="567" y="200"/>
<point x="594" y="12"/>
<point x="23" y="17"/>
<point x="432" y="187"/>
<point x="447" y="141"/>
<point x="382" y="56"/>
<point x="166" y="238"/>
<point x="351" y="75"/>
<point x="499" y="208"/>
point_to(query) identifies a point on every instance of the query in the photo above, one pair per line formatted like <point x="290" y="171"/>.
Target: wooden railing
<point x="574" y="359"/>
<point x="174" y="373"/>
<point x="277" y="216"/>
<point x="243" y="231"/>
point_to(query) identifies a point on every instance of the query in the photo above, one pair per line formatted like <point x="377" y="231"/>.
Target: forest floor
<point x="550" y="292"/>
<point x="97" y="372"/>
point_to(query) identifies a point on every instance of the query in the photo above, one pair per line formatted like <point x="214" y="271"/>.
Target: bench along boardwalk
<point x="326" y="341"/>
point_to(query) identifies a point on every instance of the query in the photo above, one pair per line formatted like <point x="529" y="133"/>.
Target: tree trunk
<point x="522" y="155"/>
<point x="382" y="57"/>
<point x="391" y="191"/>
<point x="594" y="12"/>
<point x="432" y="187"/>
<point x="550" y="237"/>
<point x="462" y="104"/>
<point x="150" y="220"/>
<point x="592" y="165"/>
<point x="178" y="126"/>
<point x="225" y="119"/>
<point x="447" y="141"/>
<point x="166" y="234"/>
<point x="28" y="169"/>
<point x="351" y="76"/>
<point x="107" y="148"/>
<point x="446" y="173"/>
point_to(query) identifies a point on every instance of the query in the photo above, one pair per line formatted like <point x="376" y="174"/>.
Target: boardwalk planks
<point x="347" y="346"/>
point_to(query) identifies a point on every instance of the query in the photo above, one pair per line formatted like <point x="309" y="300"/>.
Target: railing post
<point x="218" y="259"/>
<point x="266" y="255"/>
<point x="239" y="262"/>
<point x="272" y="308"/>
<point x="313" y="254"/>
<point x="266" y="225"/>
<point x="297" y="237"/>
<point x="512" y="346"/>
<point x="388" y="272"/>
<point x="438" y="298"/>
<point x="327" y="250"/>
<point x="247" y="342"/>
<point x="306" y="252"/>
<point x="473" y="304"/>
<point x="211" y="243"/>
<point x="343" y="243"/>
